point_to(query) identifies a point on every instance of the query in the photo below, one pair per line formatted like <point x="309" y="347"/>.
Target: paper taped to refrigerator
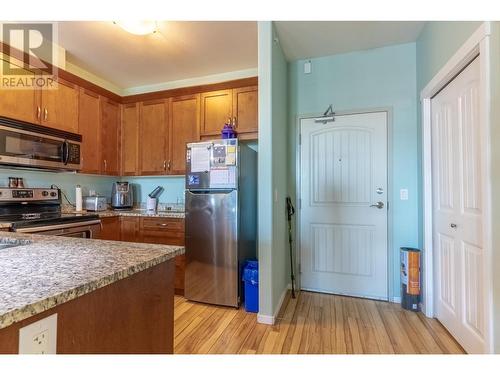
<point x="200" y="159"/>
<point x="219" y="177"/>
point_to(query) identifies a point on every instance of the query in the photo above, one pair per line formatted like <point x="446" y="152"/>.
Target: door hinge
<point x="300" y="203"/>
<point x="387" y="205"/>
<point x="300" y="139"/>
<point x="300" y="268"/>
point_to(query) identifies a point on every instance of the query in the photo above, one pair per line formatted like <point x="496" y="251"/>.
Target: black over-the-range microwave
<point x="23" y="144"/>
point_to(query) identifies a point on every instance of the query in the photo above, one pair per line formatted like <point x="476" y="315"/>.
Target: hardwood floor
<point x="312" y="323"/>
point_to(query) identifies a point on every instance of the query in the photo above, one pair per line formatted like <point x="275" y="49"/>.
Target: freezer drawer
<point x="212" y="247"/>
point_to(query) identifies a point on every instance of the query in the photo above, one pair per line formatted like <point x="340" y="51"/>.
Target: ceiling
<point x="179" y="50"/>
<point x="307" y="39"/>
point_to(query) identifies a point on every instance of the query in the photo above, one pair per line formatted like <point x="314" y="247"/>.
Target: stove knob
<point x="53" y="194"/>
<point x="45" y="193"/>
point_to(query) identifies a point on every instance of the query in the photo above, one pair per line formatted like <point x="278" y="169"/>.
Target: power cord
<point x="54" y="186"/>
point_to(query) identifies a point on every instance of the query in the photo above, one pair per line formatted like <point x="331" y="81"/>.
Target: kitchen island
<point x="109" y="296"/>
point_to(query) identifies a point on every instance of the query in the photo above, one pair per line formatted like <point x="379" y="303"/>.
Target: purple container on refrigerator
<point x="221" y="219"/>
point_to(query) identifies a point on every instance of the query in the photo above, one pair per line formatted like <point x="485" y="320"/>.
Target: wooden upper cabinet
<point x="216" y="109"/>
<point x="153" y="137"/>
<point x="184" y="128"/>
<point x="110" y="137"/>
<point x="89" y="126"/>
<point x="59" y="107"/>
<point x="245" y="109"/>
<point x="20" y="104"/>
<point x="130" y="139"/>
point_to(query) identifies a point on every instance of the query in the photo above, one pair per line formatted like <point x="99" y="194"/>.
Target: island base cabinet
<point x="134" y="315"/>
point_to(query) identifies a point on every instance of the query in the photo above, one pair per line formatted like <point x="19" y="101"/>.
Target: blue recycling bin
<point x="251" y="280"/>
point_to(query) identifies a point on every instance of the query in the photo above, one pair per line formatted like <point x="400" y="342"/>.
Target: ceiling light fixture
<point x="138" y="27"/>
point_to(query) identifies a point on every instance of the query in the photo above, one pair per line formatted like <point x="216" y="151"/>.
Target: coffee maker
<point x="122" y="196"/>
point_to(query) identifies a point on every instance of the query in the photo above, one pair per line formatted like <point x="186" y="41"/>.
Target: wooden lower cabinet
<point x="166" y="231"/>
<point x="129" y="229"/>
<point x="154" y="230"/>
<point x="134" y="315"/>
<point x="110" y="228"/>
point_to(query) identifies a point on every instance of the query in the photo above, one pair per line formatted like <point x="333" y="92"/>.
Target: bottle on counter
<point x="78" y="199"/>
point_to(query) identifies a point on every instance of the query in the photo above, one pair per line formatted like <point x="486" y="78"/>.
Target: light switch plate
<point x="307" y="67"/>
<point x="403" y="194"/>
<point x="39" y="337"/>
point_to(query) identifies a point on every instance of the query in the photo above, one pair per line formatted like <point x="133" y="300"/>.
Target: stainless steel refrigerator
<point x="221" y="219"/>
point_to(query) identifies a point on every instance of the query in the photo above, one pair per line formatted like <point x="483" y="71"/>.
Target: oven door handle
<point x="57" y="226"/>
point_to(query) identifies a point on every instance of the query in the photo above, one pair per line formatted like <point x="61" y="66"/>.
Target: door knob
<point x="453" y="225"/>
<point x="379" y="205"/>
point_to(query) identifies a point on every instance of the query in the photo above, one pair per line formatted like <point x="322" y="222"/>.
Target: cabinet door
<point x="110" y="229"/>
<point x="89" y="126"/>
<point x="110" y="137"/>
<point x="130" y="140"/>
<point x="153" y="138"/>
<point x="129" y="229"/>
<point x="20" y="104"/>
<point x="184" y="128"/>
<point x="216" y="109"/>
<point x="245" y="110"/>
<point x="60" y="107"/>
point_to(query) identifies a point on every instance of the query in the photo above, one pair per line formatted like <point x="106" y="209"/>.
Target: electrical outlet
<point x="39" y="337"/>
<point x="41" y="342"/>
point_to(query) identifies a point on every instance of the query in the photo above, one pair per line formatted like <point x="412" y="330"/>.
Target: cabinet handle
<point x="164" y="165"/>
<point x="162" y="224"/>
<point x="105" y="165"/>
<point x="168" y="165"/>
<point x="45" y="114"/>
<point x="38" y="112"/>
<point x="234" y="122"/>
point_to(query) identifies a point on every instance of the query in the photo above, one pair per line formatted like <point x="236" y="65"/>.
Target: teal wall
<point x="66" y="181"/>
<point x="280" y="259"/>
<point x="265" y="171"/>
<point x="272" y="188"/>
<point x="174" y="186"/>
<point x="437" y="42"/>
<point x="377" y="78"/>
<point x="173" y="193"/>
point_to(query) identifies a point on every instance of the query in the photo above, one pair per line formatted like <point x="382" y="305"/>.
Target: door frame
<point x="389" y="129"/>
<point x="477" y="46"/>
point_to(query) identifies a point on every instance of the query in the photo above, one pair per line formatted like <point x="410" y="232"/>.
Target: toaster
<point x="95" y="203"/>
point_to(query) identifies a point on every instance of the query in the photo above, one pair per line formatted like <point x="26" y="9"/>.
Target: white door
<point x="343" y="234"/>
<point x="457" y="160"/>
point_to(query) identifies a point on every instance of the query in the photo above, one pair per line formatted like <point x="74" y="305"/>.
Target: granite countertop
<point x="177" y="214"/>
<point x="141" y="212"/>
<point x="42" y="272"/>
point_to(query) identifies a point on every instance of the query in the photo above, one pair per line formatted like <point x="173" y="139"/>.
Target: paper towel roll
<point x="78" y="199"/>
